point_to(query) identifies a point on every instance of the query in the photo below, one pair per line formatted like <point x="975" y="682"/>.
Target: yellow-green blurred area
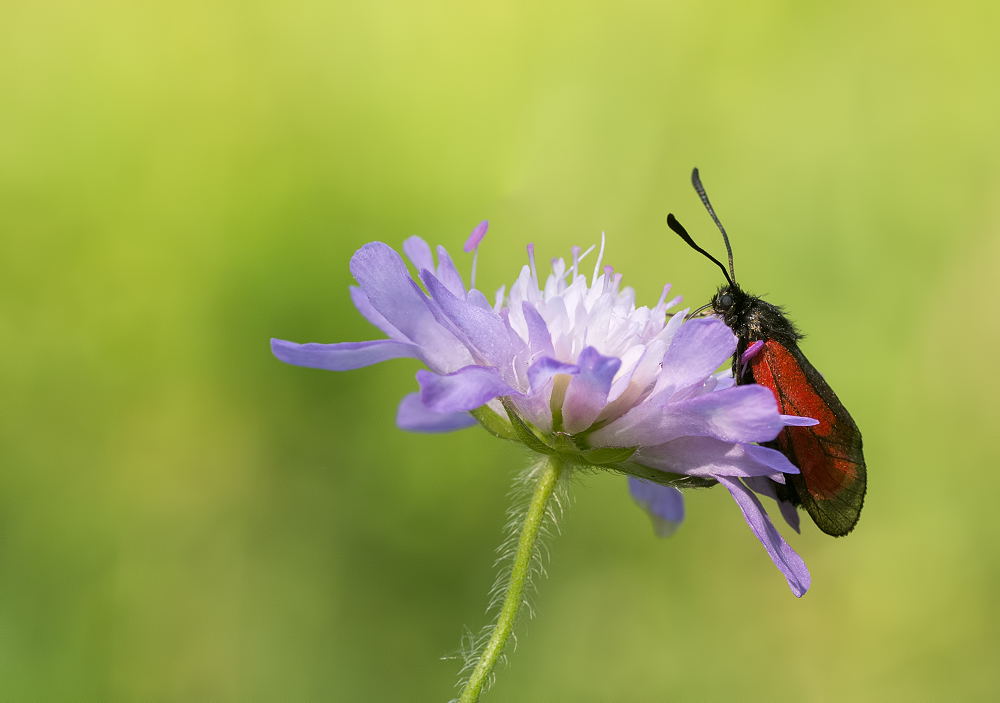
<point x="182" y="517"/>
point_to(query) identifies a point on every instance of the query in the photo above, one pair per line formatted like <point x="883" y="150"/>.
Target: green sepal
<point x="608" y="455"/>
<point x="563" y="444"/>
<point x="572" y="449"/>
<point x="663" y="478"/>
<point x="524" y="433"/>
<point x="494" y="423"/>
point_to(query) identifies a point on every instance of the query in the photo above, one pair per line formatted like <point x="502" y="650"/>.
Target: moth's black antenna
<point x="676" y="226"/>
<point x="704" y="307"/>
<point x="696" y="182"/>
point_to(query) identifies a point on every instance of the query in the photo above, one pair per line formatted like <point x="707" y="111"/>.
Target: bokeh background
<point x="182" y="517"/>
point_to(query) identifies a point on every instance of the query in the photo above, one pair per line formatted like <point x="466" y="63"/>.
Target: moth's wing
<point x="829" y="455"/>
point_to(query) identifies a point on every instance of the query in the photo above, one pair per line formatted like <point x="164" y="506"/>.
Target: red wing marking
<point x="829" y="454"/>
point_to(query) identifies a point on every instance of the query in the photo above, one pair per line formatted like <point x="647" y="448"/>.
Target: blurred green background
<point x="182" y="517"/>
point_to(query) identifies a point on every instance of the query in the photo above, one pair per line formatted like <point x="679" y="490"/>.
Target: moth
<point x="831" y="485"/>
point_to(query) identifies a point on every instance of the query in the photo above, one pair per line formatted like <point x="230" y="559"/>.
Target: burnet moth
<point x="831" y="485"/>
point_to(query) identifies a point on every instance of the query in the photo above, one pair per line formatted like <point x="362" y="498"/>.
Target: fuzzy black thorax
<point x="752" y="318"/>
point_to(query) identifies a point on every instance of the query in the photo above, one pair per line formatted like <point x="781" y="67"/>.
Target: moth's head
<point x="729" y="303"/>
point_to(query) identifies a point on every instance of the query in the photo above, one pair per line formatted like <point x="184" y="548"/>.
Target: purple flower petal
<point x="413" y="416"/>
<point x="546" y="368"/>
<point x="360" y="301"/>
<point x="463" y="390"/>
<point x="419" y="253"/>
<point x="439" y="315"/>
<point x="630" y="360"/>
<point x="784" y="557"/>
<point x="790" y="513"/>
<point x="798" y="421"/>
<point x="448" y="274"/>
<point x="588" y="391"/>
<point x="724" y="379"/>
<point x="737" y="414"/>
<point x="697" y="350"/>
<point x="665" y="504"/>
<point x="535" y="408"/>
<point x="765" y="487"/>
<point x="383" y="277"/>
<point x="342" y="357"/>
<point x="477" y="236"/>
<point x="629" y="387"/>
<point x="749" y="354"/>
<point x="751" y="351"/>
<point x="518" y="346"/>
<point x="707" y="456"/>
<point x="539" y="337"/>
<point x="772" y="458"/>
<point x="477" y="298"/>
<point x="483" y="329"/>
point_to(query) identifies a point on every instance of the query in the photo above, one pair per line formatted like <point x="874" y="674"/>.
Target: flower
<point x="577" y="370"/>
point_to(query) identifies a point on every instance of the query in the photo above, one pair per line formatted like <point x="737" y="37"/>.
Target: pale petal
<point x="386" y="283"/>
<point x="463" y="390"/>
<point x="476" y="297"/>
<point x="738" y="414"/>
<point x="630" y="362"/>
<point x="665" y="504"/>
<point x="784" y="557"/>
<point x="539" y="338"/>
<point x="798" y="421"/>
<point x="535" y="407"/>
<point x="448" y="274"/>
<point x="360" y="301"/>
<point x="766" y="487"/>
<point x="772" y="458"/>
<point x="545" y="369"/>
<point x="345" y="356"/>
<point x="588" y="391"/>
<point x="707" y="456"/>
<point x="698" y="348"/>
<point x="419" y="253"/>
<point x="413" y="416"/>
<point x="484" y="329"/>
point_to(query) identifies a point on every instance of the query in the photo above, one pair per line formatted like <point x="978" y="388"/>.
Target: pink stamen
<point x="472" y="244"/>
<point x="531" y="261"/>
<point x="477" y="236"/>
<point x="576" y="261"/>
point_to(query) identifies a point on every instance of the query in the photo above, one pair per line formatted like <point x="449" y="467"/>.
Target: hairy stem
<point x="518" y="579"/>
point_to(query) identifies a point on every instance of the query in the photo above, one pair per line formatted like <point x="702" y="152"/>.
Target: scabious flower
<point x="573" y="369"/>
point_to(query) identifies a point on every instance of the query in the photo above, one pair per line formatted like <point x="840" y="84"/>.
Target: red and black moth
<point x="832" y="484"/>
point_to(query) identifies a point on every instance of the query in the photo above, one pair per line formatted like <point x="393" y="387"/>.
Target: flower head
<point x="571" y="367"/>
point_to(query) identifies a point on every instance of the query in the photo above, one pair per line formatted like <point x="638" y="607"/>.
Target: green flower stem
<point x="518" y="579"/>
